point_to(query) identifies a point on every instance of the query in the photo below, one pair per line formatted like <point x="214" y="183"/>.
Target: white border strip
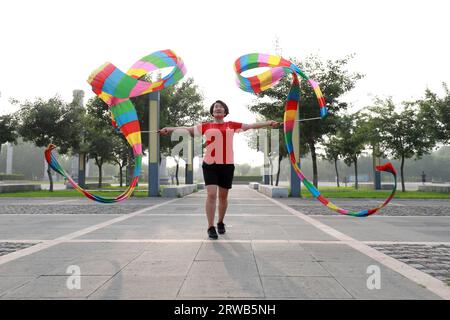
<point x="200" y="240"/>
<point x="434" y="285"/>
<point x="150" y="240"/>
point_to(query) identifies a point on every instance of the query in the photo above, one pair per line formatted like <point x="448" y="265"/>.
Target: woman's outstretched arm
<point x="258" y="125"/>
<point x="167" y="130"/>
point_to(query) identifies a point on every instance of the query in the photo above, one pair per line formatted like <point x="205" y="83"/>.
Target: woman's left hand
<point x="273" y="124"/>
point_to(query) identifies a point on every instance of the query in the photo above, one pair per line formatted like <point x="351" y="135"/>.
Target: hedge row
<point x="248" y="178"/>
<point x="4" y="176"/>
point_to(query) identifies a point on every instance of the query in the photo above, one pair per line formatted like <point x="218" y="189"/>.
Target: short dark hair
<point x="224" y="105"/>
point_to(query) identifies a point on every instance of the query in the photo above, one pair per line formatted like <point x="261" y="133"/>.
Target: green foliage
<point x="352" y="139"/>
<point x="181" y="106"/>
<point x="435" y="113"/>
<point x="334" y="80"/>
<point x="333" y="149"/>
<point x="247" y="178"/>
<point x="51" y="121"/>
<point x="4" y="177"/>
<point x="7" y="129"/>
<point x="349" y="192"/>
<point x="402" y="135"/>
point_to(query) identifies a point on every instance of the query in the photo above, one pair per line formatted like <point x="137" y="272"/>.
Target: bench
<point x="200" y="186"/>
<point x="273" y="191"/>
<point x="441" y="188"/>
<point x="7" y="188"/>
<point x="178" y="191"/>
<point x="253" y="185"/>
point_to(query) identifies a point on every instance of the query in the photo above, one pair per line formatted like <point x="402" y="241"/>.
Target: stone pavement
<point x="273" y="249"/>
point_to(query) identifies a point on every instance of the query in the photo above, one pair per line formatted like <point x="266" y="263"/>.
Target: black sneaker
<point x="212" y="233"/>
<point x="221" y="227"/>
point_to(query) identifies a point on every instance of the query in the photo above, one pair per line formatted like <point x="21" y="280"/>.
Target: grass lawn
<point x="67" y="193"/>
<point x="350" y="192"/>
<point x="328" y="192"/>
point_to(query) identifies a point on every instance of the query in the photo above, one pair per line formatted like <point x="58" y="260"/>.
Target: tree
<point x="7" y="130"/>
<point x="100" y="149"/>
<point x="102" y="139"/>
<point x="352" y="142"/>
<point x="255" y="138"/>
<point x="121" y="154"/>
<point x="243" y="169"/>
<point x="371" y="128"/>
<point x="333" y="151"/>
<point x="51" y="121"/>
<point x="334" y="81"/>
<point x="181" y="105"/>
<point x="403" y="134"/>
<point x="435" y="113"/>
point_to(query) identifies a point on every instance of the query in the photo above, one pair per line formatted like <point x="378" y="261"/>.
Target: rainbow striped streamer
<point x="278" y="68"/>
<point x="116" y="88"/>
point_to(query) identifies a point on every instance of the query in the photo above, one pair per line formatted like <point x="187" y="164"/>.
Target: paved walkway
<point x="273" y="249"/>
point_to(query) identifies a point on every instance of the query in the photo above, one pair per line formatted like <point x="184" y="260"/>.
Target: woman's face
<point x="218" y="110"/>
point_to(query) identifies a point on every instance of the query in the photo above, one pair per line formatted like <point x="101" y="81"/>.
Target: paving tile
<point x="126" y="286"/>
<point x="56" y="287"/>
<point x="304" y="288"/>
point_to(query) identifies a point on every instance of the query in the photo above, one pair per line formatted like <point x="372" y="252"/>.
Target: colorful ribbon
<point x="280" y="67"/>
<point x="116" y="88"/>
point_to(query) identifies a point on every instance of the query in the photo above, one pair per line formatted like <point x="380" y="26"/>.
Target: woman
<point x="218" y="163"/>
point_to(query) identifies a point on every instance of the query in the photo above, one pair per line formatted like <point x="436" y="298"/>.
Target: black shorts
<point x="218" y="174"/>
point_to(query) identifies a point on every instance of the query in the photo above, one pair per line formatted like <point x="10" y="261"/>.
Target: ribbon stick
<point x="116" y="88"/>
<point x="278" y="68"/>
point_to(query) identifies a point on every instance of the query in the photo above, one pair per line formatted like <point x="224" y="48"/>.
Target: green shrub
<point x="248" y="178"/>
<point x="4" y="177"/>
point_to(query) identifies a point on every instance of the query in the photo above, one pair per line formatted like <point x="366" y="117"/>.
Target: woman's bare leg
<point x="210" y="205"/>
<point x="223" y="203"/>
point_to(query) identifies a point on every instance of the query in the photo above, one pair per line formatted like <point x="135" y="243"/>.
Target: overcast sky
<point x="51" y="47"/>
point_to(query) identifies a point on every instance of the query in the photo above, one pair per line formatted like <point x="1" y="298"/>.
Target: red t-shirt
<point x="219" y="141"/>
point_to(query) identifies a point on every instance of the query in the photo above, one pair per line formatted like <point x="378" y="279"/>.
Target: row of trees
<point x="400" y="132"/>
<point x="409" y="130"/>
<point x="87" y="130"/>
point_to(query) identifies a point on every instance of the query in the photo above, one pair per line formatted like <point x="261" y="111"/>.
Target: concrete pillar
<point x="79" y="161"/>
<point x="9" y="158"/>
<point x="153" y="148"/>
<point x="189" y="170"/>
<point x="295" y="183"/>
<point x="264" y="139"/>
<point x="376" y="174"/>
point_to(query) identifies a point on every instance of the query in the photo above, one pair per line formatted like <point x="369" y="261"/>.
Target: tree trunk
<point x="99" y="176"/>
<point x="129" y="173"/>
<point x="176" y="174"/>
<point x="279" y="170"/>
<point x="356" y="173"/>
<point x="312" y="148"/>
<point x="121" y="175"/>
<point x="403" y="177"/>
<point x="337" y="172"/>
<point x="50" y="178"/>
